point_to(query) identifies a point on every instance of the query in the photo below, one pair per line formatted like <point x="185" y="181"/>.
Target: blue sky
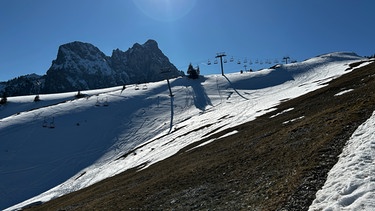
<point x="186" y="30"/>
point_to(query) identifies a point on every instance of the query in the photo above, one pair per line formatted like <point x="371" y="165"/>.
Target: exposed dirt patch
<point x="270" y="164"/>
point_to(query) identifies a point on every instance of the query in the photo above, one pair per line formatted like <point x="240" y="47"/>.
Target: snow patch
<point x="283" y="112"/>
<point x="211" y="140"/>
<point x="350" y="183"/>
<point x="293" y="120"/>
<point x="343" y="92"/>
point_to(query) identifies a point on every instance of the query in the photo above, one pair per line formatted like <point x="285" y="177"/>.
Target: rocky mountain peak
<point x="151" y="44"/>
<point x="81" y="66"/>
<point x="77" y="52"/>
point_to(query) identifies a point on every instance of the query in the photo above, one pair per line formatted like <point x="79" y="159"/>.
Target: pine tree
<point x="193" y="73"/>
<point x="37" y="98"/>
<point x="4" y="99"/>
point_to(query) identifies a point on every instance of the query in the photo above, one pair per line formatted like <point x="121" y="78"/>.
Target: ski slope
<point x="62" y="144"/>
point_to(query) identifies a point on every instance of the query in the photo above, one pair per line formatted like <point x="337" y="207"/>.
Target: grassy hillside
<point x="275" y="162"/>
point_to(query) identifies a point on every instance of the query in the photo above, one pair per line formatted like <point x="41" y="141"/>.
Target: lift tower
<point x="166" y="71"/>
<point x="221" y="55"/>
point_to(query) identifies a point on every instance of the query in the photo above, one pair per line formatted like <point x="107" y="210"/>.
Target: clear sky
<point x="186" y="30"/>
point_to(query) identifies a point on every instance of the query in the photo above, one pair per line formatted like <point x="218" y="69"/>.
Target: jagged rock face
<point x="78" y="66"/>
<point x="143" y="63"/>
<point x="82" y="66"/>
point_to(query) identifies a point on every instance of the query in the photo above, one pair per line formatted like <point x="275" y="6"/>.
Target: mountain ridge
<point x="82" y="66"/>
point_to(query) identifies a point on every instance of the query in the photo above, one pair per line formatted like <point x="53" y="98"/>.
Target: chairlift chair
<point x="238" y="62"/>
<point x="208" y="62"/>
<point x="231" y="59"/>
<point x="225" y="61"/>
<point x="215" y="62"/>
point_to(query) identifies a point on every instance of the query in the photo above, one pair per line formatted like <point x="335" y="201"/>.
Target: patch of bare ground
<point x="270" y="164"/>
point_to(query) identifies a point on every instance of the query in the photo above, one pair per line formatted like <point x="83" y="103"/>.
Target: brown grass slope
<point x="267" y="165"/>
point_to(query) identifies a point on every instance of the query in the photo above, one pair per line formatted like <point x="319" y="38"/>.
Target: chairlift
<point x="250" y="62"/>
<point x="225" y="60"/>
<point x="231" y="59"/>
<point x="208" y="62"/>
<point x="144" y="87"/>
<point x="245" y="61"/>
<point x="215" y="62"/>
<point x="261" y="62"/>
<point x="136" y="87"/>
<point x="238" y="62"/>
<point x="256" y="61"/>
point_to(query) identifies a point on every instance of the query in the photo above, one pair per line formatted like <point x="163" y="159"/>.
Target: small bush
<point x="80" y="95"/>
<point x="4" y="99"/>
<point x="37" y="98"/>
<point x="192" y="72"/>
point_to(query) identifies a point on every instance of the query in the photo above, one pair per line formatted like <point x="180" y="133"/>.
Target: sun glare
<point x="165" y="10"/>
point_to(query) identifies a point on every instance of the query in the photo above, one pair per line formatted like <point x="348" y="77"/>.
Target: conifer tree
<point x="193" y="73"/>
<point x="4" y="99"/>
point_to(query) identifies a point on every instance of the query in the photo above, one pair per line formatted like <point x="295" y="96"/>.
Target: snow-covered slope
<point x="62" y="144"/>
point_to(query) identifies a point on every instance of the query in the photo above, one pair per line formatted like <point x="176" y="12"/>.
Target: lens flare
<point x="165" y="10"/>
